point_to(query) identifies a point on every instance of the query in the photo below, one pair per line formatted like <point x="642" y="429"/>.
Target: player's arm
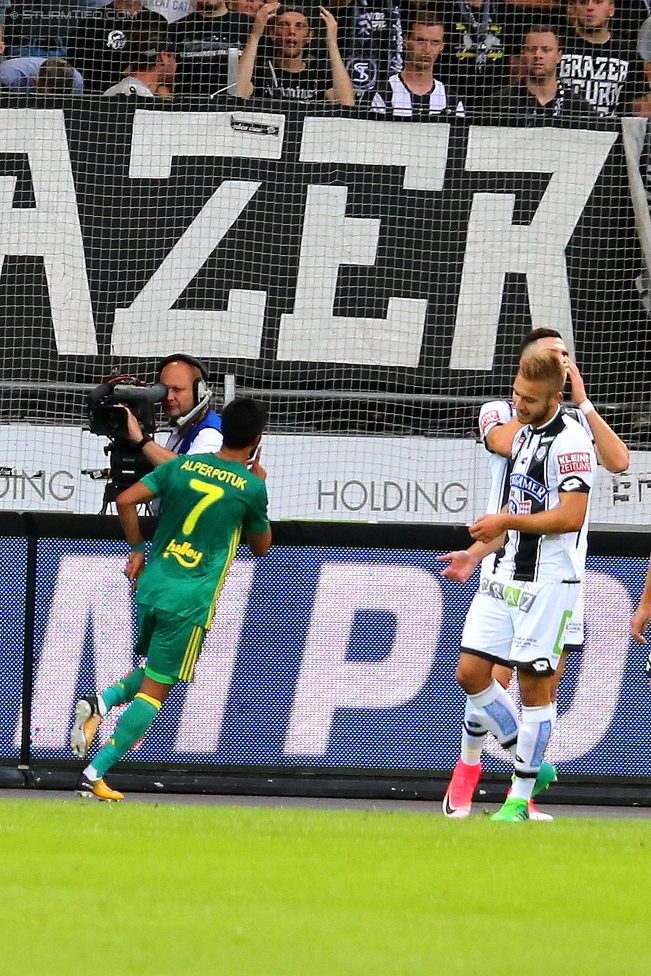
<point x="499" y="440"/>
<point x="463" y="562"/>
<point x="127" y="504"/>
<point x="611" y="450"/>
<point x="259" y="542"/>
<point x="246" y="64"/>
<point x="567" y="516"/>
<point x="642" y="615"/>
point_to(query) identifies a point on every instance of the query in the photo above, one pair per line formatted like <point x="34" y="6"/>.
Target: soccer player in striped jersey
<point x="207" y="501"/>
<point x="414" y="93"/>
<point x="521" y="612"/>
<point x="498" y="426"/>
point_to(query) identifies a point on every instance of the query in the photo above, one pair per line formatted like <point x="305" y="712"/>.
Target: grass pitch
<point x="170" y="890"/>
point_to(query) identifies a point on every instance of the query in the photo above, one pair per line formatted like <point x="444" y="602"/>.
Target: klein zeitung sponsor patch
<point x="569" y="463"/>
<point x="491" y="417"/>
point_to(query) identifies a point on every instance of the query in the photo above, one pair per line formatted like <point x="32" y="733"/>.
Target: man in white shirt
<point x="151" y="70"/>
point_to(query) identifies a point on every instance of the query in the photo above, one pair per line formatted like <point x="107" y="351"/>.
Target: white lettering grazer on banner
<point x="495" y="245"/>
<point x="327" y="681"/>
<point x="330" y="239"/>
<point x="150" y="326"/>
<point x="608" y="610"/>
<point x="51" y="229"/>
<point x="312" y="333"/>
<point x="90" y="592"/>
<point x="205" y="702"/>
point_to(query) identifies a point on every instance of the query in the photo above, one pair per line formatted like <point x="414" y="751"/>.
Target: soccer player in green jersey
<point x="207" y="500"/>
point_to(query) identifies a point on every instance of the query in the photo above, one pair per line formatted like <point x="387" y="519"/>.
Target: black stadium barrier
<point x="329" y="670"/>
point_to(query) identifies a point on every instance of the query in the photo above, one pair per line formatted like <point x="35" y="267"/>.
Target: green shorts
<point x="170" y="643"/>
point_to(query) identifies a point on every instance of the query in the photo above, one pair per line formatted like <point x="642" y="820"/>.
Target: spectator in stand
<point x="38" y="28"/>
<point x="414" y="93"/>
<point x="539" y="94"/>
<point x="202" y="42"/>
<point x="290" y="74"/>
<point x="247" y="7"/>
<point x="21" y="74"/>
<point x="599" y="62"/>
<point x="151" y="70"/>
<point x="481" y="36"/>
<point x="55" y="77"/>
<point x="97" y="45"/>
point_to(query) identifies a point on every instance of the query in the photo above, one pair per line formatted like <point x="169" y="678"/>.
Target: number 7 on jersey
<point x="211" y="494"/>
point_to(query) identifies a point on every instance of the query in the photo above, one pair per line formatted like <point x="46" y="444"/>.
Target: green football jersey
<point x="206" y="502"/>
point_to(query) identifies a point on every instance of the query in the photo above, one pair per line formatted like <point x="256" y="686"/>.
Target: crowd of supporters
<point x="405" y="59"/>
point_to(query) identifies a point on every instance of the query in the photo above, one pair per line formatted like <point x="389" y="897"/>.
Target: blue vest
<point x="210" y="420"/>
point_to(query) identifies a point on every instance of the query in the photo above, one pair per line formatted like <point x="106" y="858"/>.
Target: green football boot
<point x="512" y="811"/>
<point x="546" y="776"/>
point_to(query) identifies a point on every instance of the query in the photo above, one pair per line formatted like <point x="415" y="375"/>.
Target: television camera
<point x="108" y="418"/>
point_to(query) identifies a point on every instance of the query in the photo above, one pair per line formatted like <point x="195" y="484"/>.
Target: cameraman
<point x="187" y="405"/>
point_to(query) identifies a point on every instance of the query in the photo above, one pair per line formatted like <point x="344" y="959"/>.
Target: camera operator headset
<point x="187" y="405"/>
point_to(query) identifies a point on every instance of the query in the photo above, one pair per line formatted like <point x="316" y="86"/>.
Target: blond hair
<point x="544" y="367"/>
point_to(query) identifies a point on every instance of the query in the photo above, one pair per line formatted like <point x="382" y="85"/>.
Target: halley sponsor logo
<point x="391" y="496"/>
<point x="513" y="596"/>
<point x="530" y="485"/>
<point x="183" y="553"/>
<point x="491" y="417"/>
<point x="569" y="463"/>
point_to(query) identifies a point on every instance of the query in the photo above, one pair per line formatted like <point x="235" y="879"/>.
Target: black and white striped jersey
<point x="493" y="414"/>
<point x="396" y="100"/>
<point x="558" y="457"/>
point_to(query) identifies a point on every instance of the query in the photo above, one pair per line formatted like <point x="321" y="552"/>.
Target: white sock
<point x="473" y="734"/>
<point x="91" y="774"/>
<point x="101" y="704"/>
<point x="497" y="712"/>
<point x="535" y="730"/>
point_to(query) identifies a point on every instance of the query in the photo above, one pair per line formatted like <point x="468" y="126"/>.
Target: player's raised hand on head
<point x="255" y="467"/>
<point x="462" y="565"/>
<point x="576" y="382"/>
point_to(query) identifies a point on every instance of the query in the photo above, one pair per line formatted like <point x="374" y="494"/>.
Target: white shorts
<point x="520" y="624"/>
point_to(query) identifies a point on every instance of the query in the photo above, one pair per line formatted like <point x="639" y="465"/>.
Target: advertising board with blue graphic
<point x="317" y="657"/>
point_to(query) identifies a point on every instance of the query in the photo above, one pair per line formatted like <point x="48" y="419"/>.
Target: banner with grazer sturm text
<point x="296" y="249"/>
